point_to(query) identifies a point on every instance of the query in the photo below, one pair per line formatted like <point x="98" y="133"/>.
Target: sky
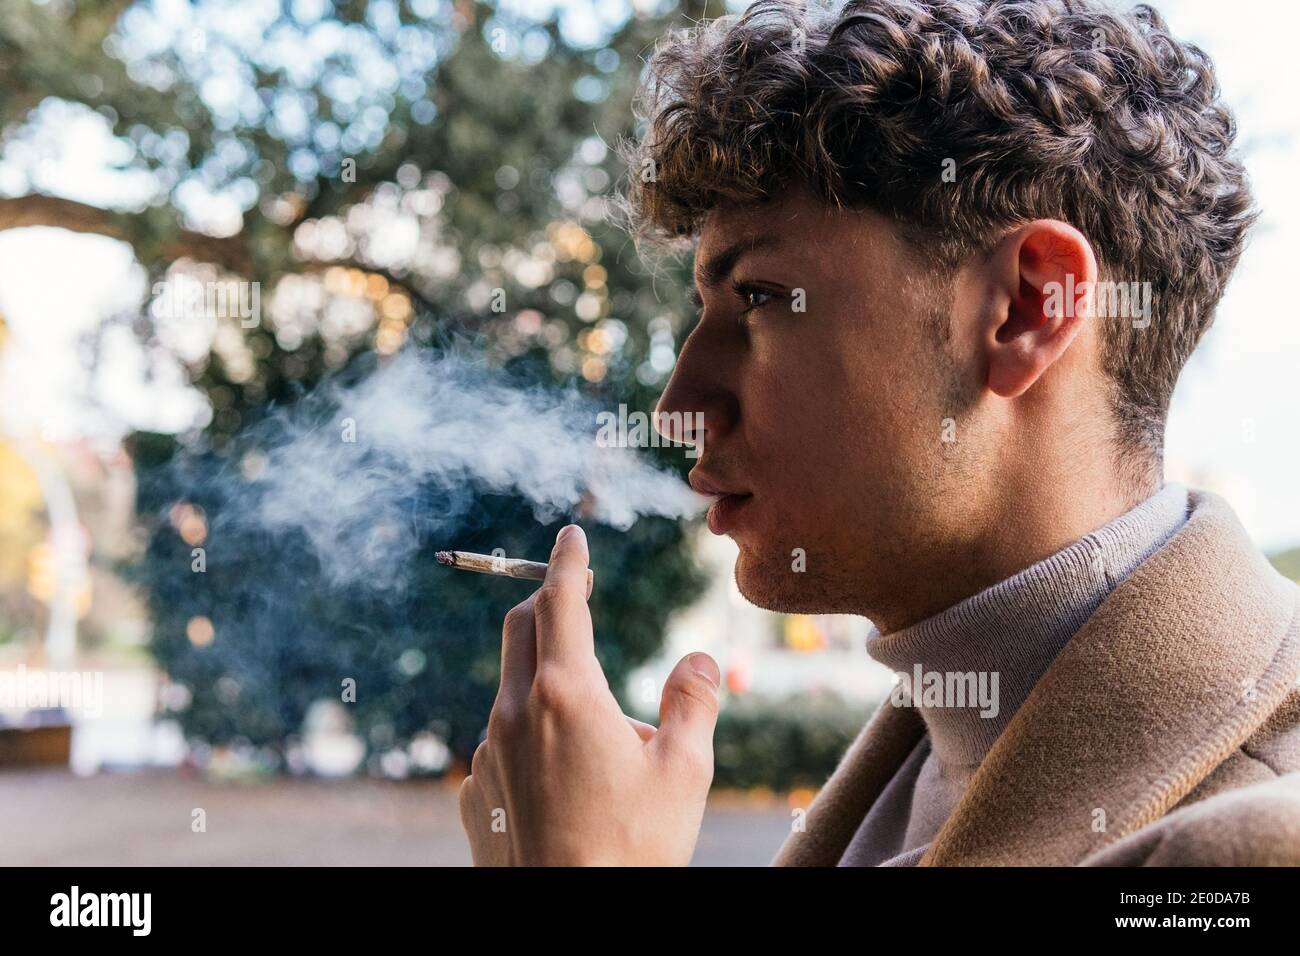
<point x="1234" y="423"/>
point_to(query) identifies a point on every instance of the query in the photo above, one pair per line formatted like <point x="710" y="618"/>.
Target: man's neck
<point x="1026" y="529"/>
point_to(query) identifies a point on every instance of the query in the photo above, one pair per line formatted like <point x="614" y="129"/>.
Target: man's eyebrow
<point x="714" y="270"/>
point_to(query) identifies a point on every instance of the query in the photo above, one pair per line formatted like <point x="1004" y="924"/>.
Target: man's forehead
<point x="786" y="225"/>
<point x="791" y="210"/>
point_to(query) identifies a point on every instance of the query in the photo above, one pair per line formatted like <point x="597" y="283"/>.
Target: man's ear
<point x="1040" y="277"/>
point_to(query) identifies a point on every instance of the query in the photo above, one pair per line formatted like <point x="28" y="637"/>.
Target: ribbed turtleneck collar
<point x="1015" y="628"/>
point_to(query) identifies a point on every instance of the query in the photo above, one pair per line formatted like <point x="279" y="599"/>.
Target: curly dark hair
<point x="1060" y="109"/>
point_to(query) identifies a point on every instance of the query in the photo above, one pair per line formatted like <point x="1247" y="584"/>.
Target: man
<point x="925" y="401"/>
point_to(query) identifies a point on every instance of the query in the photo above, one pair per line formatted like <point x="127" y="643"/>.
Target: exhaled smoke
<point x="369" y="473"/>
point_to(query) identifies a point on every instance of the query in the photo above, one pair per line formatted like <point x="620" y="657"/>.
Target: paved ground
<point x="52" y="817"/>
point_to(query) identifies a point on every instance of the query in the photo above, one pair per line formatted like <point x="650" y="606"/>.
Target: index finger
<point x="569" y="559"/>
<point x="560" y="604"/>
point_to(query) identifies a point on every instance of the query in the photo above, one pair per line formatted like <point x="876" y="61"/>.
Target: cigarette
<point x="505" y="567"/>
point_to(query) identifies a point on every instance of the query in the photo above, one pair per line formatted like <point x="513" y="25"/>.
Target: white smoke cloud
<point x="448" y="425"/>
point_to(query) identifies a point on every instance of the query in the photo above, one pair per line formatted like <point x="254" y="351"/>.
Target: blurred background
<point x="385" y="175"/>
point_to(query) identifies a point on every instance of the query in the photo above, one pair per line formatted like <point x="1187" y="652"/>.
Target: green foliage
<point x="483" y="135"/>
<point x="1288" y="562"/>
<point x="425" y="657"/>
<point x="783" y="744"/>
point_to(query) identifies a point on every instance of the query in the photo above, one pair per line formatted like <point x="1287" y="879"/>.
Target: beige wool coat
<point x="1167" y="731"/>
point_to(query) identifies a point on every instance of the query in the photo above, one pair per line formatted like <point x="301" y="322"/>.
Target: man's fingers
<point x="560" y="610"/>
<point x="569" y="559"/>
<point x="643" y="730"/>
<point x="688" y="712"/>
<point x="518" y="654"/>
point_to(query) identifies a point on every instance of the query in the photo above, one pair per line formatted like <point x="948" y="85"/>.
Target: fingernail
<point x="567" y="530"/>
<point x="705" y="666"/>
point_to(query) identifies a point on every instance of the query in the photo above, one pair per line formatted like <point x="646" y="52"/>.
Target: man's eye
<point x="753" y="297"/>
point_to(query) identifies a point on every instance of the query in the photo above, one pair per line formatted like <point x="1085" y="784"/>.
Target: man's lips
<point x="728" y="504"/>
<point x="724" y="513"/>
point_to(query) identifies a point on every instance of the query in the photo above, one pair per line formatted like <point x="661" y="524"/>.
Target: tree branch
<point x="43" y="210"/>
<point x="229" y="252"/>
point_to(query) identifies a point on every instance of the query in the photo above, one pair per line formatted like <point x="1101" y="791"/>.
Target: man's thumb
<point x="688" y="711"/>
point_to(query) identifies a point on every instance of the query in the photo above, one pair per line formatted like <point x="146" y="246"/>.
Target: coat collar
<point x="1181" y="663"/>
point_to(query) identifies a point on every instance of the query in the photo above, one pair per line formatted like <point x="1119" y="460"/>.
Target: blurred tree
<point x="392" y="175"/>
<point x="1288" y="563"/>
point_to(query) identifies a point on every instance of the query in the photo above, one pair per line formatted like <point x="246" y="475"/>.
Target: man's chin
<point x="777" y="586"/>
<point x="779" y="579"/>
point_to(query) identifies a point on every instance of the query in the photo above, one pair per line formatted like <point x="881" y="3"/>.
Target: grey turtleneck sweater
<point x="1006" y="637"/>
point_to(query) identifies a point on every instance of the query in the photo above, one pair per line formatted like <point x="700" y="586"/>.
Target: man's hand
<point x="564" y="776"/>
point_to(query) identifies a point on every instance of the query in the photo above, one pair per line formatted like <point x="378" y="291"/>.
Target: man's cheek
<point x="799" y="442"/>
